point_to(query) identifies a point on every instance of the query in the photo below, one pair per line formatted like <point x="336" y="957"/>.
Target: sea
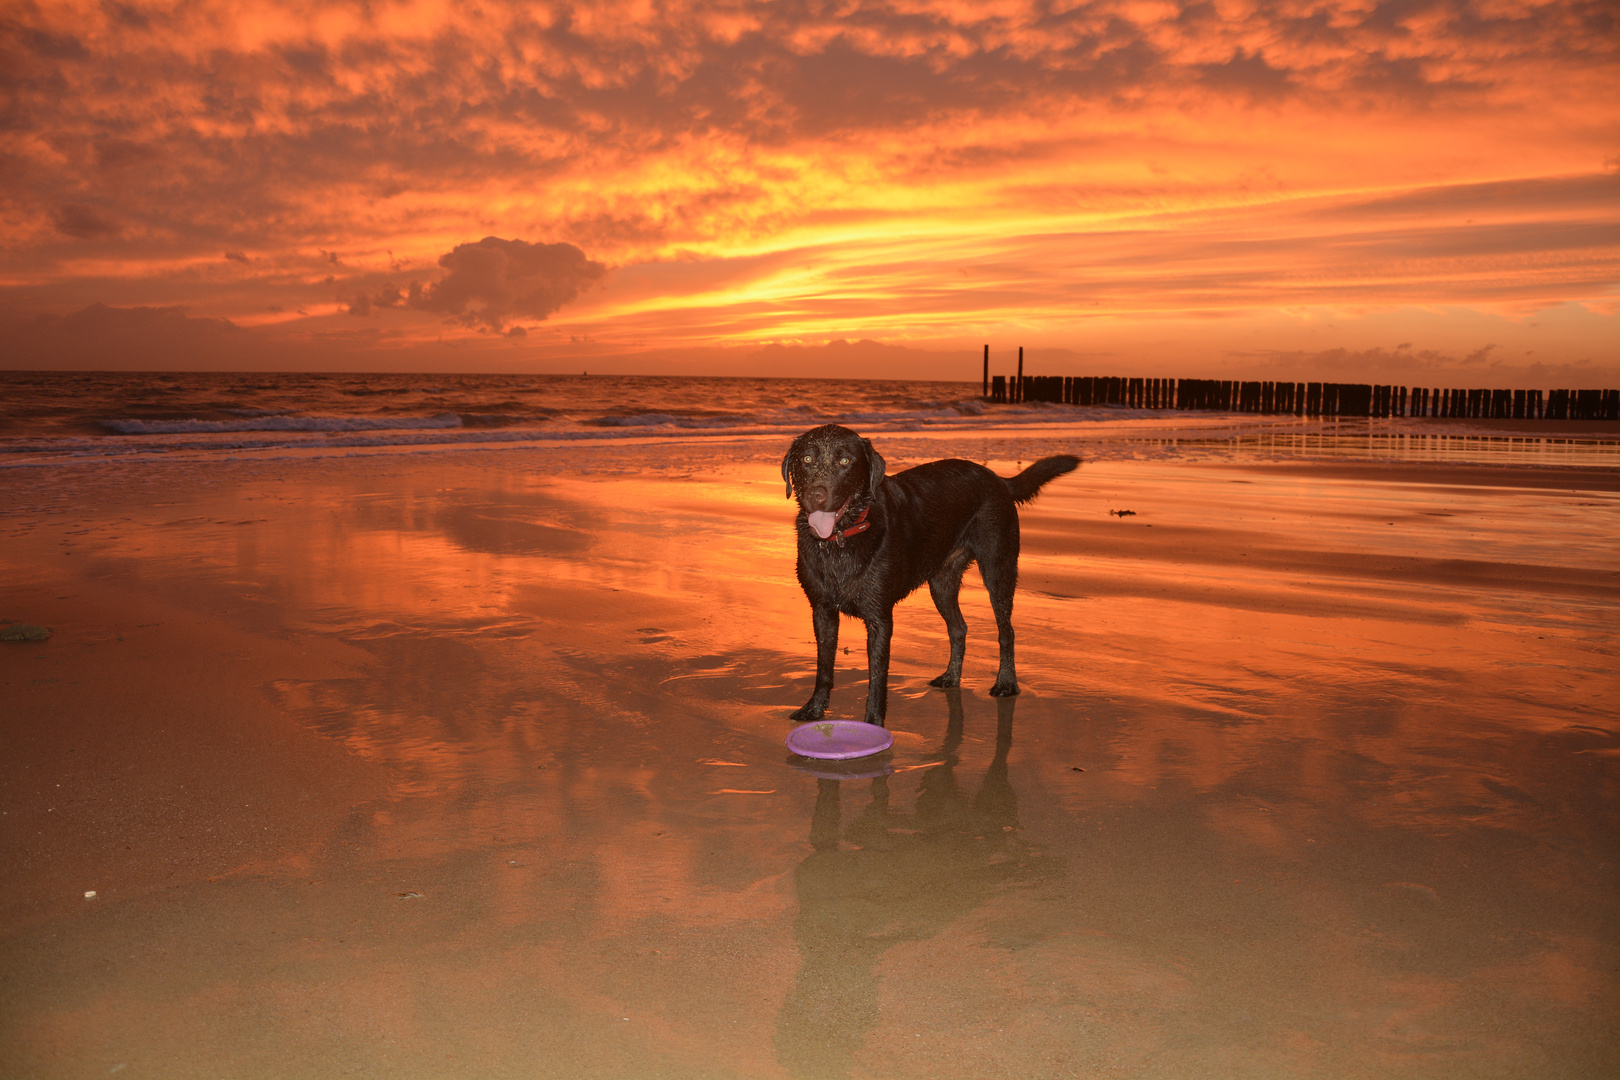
<point x="58" y="418"/>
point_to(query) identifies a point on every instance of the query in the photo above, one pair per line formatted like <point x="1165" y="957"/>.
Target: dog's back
<point x="959" y="511"/>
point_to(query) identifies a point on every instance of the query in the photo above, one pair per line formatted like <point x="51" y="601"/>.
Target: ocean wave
<point x="282" y="422"/>
<point x="964" y="414"/>
<point x="479" y="419"/>
<point x="674" y="420"/>
<point x="80" y="448"/>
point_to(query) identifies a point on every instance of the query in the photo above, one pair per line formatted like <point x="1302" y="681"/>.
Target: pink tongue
<point x="823" y="521"/>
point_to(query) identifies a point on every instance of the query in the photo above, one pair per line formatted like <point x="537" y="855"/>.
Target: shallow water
<point x="1313" y="775"/>
<point x="50" y="419"/>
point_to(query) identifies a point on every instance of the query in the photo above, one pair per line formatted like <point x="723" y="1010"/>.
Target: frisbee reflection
<point x="885" y="877"/>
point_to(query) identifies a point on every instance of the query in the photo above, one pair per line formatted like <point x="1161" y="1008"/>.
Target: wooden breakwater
<point x="1300" y="398"/>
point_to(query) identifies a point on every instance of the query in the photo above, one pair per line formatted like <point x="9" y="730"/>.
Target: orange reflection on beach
<point x="1288" y="786"/>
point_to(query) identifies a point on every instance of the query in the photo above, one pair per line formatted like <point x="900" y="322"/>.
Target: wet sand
<point x="471" y="766"/>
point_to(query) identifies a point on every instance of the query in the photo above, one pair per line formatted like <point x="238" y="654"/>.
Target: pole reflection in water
<point x="888" y="877"/>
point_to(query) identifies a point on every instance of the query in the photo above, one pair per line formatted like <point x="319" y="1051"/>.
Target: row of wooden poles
<point x="1300" y="399"/>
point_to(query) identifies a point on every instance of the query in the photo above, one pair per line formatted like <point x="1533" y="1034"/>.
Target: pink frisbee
<point x="836" y="740"/>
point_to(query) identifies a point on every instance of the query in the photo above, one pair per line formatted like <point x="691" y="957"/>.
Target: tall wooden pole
<point x="1020" y="395"/>
<point x="987" y="372"/>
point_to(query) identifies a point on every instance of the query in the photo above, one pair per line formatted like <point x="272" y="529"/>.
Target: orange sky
<point x="1403" y="190"/>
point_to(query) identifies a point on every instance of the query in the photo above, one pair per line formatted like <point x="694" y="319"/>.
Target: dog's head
<point x="832" y="469"/>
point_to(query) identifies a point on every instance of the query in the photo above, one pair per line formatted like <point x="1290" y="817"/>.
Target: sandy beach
<point x="471" y="765"/>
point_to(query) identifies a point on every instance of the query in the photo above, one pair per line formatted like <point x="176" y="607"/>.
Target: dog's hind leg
<point x="946" y="588"/>
<point x="826" y="624"/>
<point x="1000" y="573"/>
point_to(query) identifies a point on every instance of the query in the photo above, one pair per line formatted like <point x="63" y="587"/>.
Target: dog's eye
<point x="844" y="460"/>
<point x="808" y="459"/>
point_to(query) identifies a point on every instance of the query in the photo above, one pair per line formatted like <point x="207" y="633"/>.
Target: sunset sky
<point x="1412" y="191"/>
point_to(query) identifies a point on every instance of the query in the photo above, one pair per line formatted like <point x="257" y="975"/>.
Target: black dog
<point x="865" y="542"/>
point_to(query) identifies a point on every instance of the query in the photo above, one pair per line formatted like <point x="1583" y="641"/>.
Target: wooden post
<point x="1020" y="384"/>
<point x="987" y="371"/>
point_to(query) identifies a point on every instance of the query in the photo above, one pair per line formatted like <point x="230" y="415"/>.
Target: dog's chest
<point x="836" y="575"/>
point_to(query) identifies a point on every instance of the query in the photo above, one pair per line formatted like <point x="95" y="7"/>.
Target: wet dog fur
<point x="926" y="524"/>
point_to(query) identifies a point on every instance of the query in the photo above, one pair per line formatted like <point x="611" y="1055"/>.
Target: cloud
<point x="1480" y="367"/>
<point x="1247" y="74"/>
<point x="708" y="125"/>
<point x="495" y="280"/>
<point x="882" y="168"/>
<point x="83" y="222"/>
<point x="52" y="46"/>
<point x="389" y="296"/>
<point x="129" y="338"/>
<point x="859" y="359"/>
<point x="126" y="15"/>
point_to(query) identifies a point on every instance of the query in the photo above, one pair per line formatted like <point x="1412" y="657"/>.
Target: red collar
<point x="859" y="525"/>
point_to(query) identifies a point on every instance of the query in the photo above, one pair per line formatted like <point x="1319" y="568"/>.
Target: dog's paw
<point x="1004" y="688"/>
<point x="807" y="711"/>
<point x="947" y="679"/>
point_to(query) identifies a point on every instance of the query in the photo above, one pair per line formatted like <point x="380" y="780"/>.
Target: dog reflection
<point x="885" y="878"/>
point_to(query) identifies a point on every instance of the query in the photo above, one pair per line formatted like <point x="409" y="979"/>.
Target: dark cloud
<point x="126" y="15"/>
<point x="1403" y="79"/>
<point x="114" y="153"/>
<point x="237" y="256"/>
<point x="311" y="62"/>
<point x="83" y="222"/>
<point x="135" y="338"/>
<point x="495" y="280"/>
<point x="1247" y="74"/>
<point x="53" y="46"/>
<point x="389" y="296"/>
<point x="102" y="319"/>
<point x="1603" y="23"/>
<point x="150" y="338"/>
<point x="1483" y="366"/>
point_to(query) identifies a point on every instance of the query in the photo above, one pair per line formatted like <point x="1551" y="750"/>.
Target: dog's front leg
<point x="826" y="623"/>
<point x="879" y="630"/>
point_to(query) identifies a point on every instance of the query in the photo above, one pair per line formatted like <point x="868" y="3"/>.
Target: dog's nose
<point x="817" y="496"/>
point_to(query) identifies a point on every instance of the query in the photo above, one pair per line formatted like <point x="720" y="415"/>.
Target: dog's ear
<point x="875" y="467"/>
<point x="787" y="466"/>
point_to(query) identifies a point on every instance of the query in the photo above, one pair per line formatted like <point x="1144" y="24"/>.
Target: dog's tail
<point x="1025" y="485"/>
